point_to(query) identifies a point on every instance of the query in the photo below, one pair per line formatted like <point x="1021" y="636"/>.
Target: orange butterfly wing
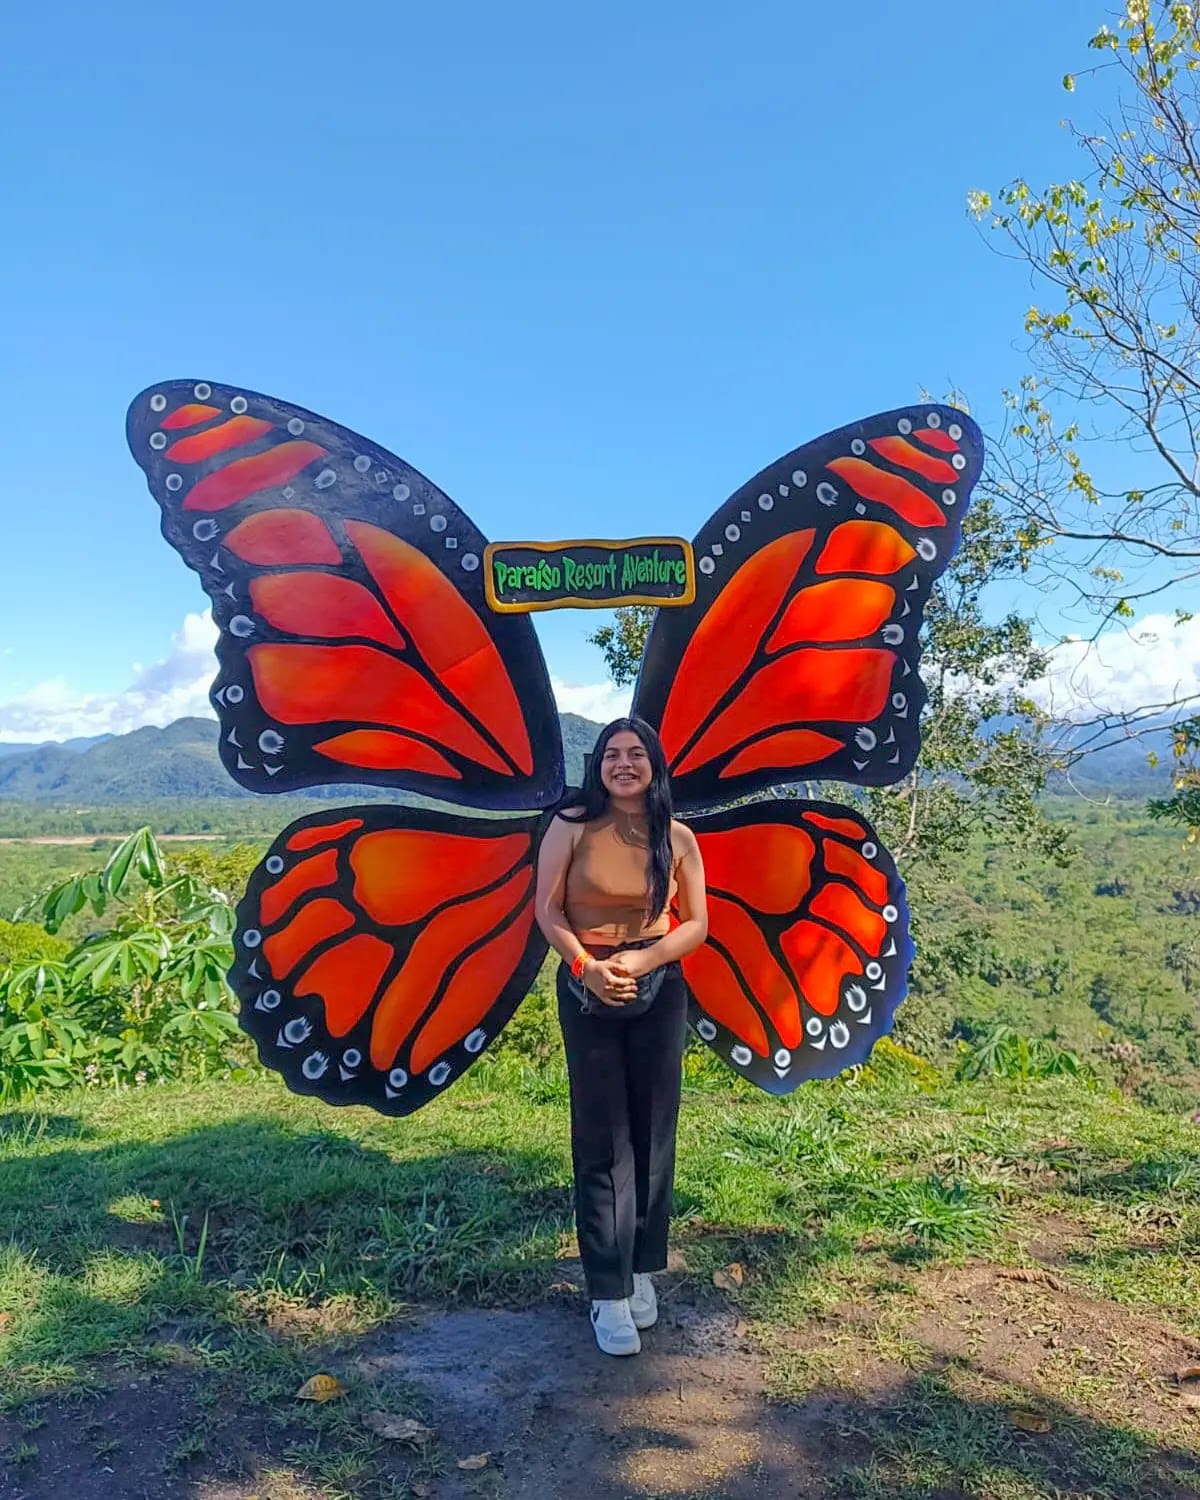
<point x="799" y="656"/>
<point x="356" y="643"/>
<point x="379" y="950"/>
<point x="808" y="947"/>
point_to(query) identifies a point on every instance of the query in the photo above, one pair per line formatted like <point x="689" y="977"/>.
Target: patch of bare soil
<point x="1016" y="1346"/>
<point x="688" y="1417"/>
<point x="1115" y="1362"/>
<point x="129" y="1442"/>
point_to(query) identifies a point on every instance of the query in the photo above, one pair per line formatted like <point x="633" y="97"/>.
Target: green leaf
<point x="64" y="902"/>
<point x="151" y="865"/>
<point x="120" y="862"/>
<point x="192" y="979"/>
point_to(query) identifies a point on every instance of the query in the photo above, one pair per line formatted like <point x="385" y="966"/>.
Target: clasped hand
<point x="614" y="980"/>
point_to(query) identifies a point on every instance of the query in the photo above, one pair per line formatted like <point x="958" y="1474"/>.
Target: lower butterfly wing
<point x="378" y="950"/>
<point x="808" y="944"/>
<point x="356" y="644"/>
<point x="799" y="656"/>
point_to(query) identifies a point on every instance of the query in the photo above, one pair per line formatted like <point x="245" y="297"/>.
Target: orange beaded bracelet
<point x="580" y="963"/>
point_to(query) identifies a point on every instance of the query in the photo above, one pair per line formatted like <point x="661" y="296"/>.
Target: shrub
<point x="890" y="1063"/>
<point x="1003" y="1052"/>
<point x="533" y="1033"/>
<point x="144" y="1000"/>
<point x="26" y="943"/>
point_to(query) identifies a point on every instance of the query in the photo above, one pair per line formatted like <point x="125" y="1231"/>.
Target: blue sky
<point x="587" y="267"/>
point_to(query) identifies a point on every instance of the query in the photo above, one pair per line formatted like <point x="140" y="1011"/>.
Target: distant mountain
<point x="23" y="747"/>
<point x="1122" y="768"/>
<point x="178" y="762"/>
<point x="579" y="735"/>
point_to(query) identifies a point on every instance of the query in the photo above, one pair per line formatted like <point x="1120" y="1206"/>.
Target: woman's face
<point x="625" y="766"/>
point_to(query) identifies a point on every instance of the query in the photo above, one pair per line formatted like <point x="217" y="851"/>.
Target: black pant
<point x="625" y="1079"/>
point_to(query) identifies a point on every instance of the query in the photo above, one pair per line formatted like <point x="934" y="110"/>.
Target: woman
<point x="609" y="869"/>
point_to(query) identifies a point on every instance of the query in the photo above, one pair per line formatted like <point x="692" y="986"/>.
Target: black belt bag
<point x="648" y="987"/>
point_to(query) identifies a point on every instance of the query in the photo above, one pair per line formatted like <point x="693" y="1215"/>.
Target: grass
<point x="230" y="1239"/>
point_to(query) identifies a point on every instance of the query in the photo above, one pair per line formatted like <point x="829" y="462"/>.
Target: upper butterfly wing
<point x="356" y="643"/>
<point x="808" y="943"/>
<point x="799" y="656"/>
<point x="379" y="950"/>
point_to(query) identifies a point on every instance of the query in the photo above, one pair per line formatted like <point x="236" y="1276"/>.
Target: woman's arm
<point x="693" y="912"/>
<point x="554" y="858"/>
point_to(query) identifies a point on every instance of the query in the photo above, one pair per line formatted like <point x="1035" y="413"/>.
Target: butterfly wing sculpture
<point x="380" y="949"/>
<point x="355" y="641"/>
<point x="799" y="660"/>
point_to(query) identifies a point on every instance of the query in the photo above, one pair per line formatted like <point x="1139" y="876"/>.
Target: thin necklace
<point x="631" y="828"/>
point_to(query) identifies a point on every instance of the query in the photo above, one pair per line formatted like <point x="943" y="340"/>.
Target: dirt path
<point x="688" y="1419"/>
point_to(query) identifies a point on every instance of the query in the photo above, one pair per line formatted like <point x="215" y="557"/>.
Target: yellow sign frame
<point x="574" y="601"/>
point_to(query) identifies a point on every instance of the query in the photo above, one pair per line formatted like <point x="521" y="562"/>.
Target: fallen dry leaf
<point x="1188" y="1381"/>
<point x="321" y="1388"/>
<point x="1033" y="1276"/>
<point x="399" y="1429"/>
<point x="5" y="1320"/>
<point x="1029" y="1421"/>
<point x="730" y="1277"/>
<point x="475" y="1461"/>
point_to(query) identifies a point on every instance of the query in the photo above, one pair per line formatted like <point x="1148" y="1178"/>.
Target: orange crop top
<point x="608" y="886"/>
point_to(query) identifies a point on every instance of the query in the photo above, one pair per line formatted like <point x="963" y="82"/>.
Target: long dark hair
<point x="592" y="802"/>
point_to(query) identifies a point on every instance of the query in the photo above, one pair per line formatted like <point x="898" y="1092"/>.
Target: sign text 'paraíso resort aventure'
<point x="524" y="576"/>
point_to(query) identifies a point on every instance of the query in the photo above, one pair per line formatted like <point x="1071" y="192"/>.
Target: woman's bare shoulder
<point x="683" y="840"/>
<point x="560" y="839"/>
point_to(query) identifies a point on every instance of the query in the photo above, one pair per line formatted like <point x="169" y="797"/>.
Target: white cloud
<point x="1152" y="661"/>
<point x="599" y="701"/>
<point x="159" y="694"/>
<point x="177" y="686"/>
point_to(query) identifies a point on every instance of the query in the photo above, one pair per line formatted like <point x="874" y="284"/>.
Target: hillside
<point x="179" y="762"/>
<point x="23" y="747"/>
<point x="1123" y="768"/>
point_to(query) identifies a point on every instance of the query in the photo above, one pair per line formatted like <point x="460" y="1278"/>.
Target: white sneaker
<point x="614" y="1327"/>
<point x="643" y="1305"/>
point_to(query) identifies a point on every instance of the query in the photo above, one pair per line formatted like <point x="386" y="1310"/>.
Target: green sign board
<point x="523" y="576"/>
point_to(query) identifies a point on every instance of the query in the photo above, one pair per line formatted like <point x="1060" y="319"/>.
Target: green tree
<point x="623" y="642"/>
<point x="1115" y="342"/>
